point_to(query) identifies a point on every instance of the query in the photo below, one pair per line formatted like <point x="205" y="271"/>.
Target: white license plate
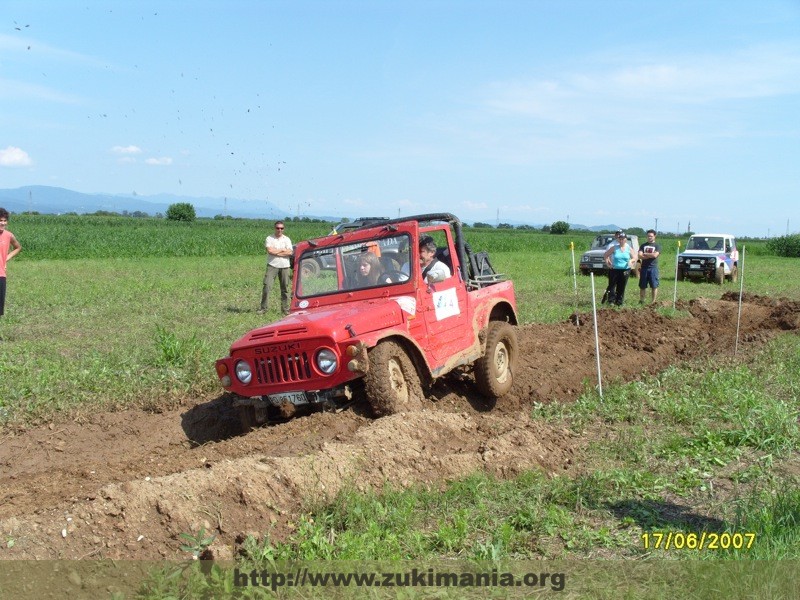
<point x="694" y="266"/>
<point x="599" y="266"/>
<point x="292" y="397"/>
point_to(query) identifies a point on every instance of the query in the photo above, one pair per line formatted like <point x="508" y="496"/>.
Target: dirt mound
<point x="127" y="484"/>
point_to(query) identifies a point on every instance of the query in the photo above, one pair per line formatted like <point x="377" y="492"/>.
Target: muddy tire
<point x="719" y="276"/>
<point x="392" y="382"/>
<point x="250" y="418"/>
<point x="681" y="275"/>
<point x="494" y="371"/>
<point x="247" y="418"/>
<point x="734" y="276"/>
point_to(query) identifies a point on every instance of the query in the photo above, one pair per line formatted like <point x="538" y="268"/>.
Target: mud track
<point x="126" y="484"/>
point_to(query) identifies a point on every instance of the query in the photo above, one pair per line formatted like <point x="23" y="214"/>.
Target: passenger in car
<point x="370" y="271"/>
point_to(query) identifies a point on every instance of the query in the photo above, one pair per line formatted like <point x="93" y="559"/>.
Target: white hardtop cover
<point x="722" y="235"/>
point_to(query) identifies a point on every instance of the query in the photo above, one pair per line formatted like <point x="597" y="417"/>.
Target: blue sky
<point x="594" y="111"/>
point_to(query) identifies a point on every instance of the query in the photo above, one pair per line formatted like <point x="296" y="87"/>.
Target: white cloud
<point x="475" y="205"/>
<point x="354" y="202"/>
<point x="14" y="157"/>
<point x="162" y="161"/>
<point x="126" y="149"/>
<point x="10" y="88"/>
<point x="628" y="104"/>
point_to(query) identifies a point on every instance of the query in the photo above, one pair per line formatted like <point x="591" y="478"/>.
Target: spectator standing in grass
<point x="279" y="250"/>
<point x="648" y="274"/>
<point x="9" y="248"/>
<point x="620" y="258"/>
<point x="608" y="295"/>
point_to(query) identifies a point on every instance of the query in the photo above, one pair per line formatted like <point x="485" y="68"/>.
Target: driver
<point x="432" y="270"/>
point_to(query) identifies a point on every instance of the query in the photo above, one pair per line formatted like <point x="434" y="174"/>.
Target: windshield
<point x="697" y="242"/>
<point x="364" y="265"/>
<point x="601" y="241"/>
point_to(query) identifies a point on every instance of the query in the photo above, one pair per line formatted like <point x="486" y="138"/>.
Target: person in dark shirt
<point x="648" y="274"/>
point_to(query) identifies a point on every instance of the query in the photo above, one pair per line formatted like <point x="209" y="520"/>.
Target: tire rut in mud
<point x="131" y="482"/>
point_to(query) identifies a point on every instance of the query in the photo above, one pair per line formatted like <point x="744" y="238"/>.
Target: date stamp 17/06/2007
<point x="706" y="540"/>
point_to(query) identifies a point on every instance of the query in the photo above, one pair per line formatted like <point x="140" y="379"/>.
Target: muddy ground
<point x="126" y="484"/>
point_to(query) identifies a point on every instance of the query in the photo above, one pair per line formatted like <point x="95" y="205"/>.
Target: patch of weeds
<point x="593" y="491"/>
<point x="709" y="449"/>
<point x="748" y="474"/>
<point x="774" y="518"/>
<point x="196" y="543"/>
<point x="173" y="351"/>
<point x="621" y="403"/>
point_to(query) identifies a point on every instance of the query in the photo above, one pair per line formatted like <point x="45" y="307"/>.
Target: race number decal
<point x="446" y="304"/>
<point x="407" y="304"/>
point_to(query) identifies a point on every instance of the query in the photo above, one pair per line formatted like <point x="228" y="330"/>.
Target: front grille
<point x="283" y="368"/>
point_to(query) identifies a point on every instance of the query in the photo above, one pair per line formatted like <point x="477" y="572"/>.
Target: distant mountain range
<point x="56" y="200"/>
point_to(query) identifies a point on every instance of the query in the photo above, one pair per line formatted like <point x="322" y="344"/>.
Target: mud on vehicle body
<point x="387" y="339"/>
<point x="710" y="256"/>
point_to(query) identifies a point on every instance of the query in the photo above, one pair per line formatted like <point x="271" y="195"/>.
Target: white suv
<point x="710" y="256"/>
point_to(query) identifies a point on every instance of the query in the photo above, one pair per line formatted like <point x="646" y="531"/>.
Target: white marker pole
<point x="574" y="282"/>
<point x="596" y="341"/>
<point x="741" y="292"/>
<point x="675" y="293"/>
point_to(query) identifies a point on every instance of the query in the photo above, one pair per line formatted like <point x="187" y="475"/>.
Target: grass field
<point x="103" y="313"/>
<point x="113" y="311"/>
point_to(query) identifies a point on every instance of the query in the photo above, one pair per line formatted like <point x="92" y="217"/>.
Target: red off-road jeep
<point x="388" y="338"/>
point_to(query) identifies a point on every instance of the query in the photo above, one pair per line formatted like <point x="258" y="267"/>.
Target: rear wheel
<point x="719" y="276"/>
<point x="392" y="382"/>
<point x="494" y="371"/>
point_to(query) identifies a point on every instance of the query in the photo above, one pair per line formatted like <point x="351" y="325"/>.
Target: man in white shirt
<point x="279" y="249"/>
<point x="432" y="270"/>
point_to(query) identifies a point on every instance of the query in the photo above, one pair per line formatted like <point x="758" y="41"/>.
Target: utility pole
<point x="656" y="227"/>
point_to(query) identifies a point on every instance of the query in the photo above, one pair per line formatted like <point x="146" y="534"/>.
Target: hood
<point x="596" y="251"/>
<point x="702" y="253"/>
<point x="331" y="322"/>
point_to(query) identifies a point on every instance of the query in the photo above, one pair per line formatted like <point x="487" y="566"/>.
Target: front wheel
<point x="734" y="276"/>
<point x="392" y="382"/>
<point x="494" y="371"/>
<point x="719" y="276"/>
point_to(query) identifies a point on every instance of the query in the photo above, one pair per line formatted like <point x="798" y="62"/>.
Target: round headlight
<point x="327" y="361"/>
<point x="680" y="259"/>
<point x="243" y="372"/>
